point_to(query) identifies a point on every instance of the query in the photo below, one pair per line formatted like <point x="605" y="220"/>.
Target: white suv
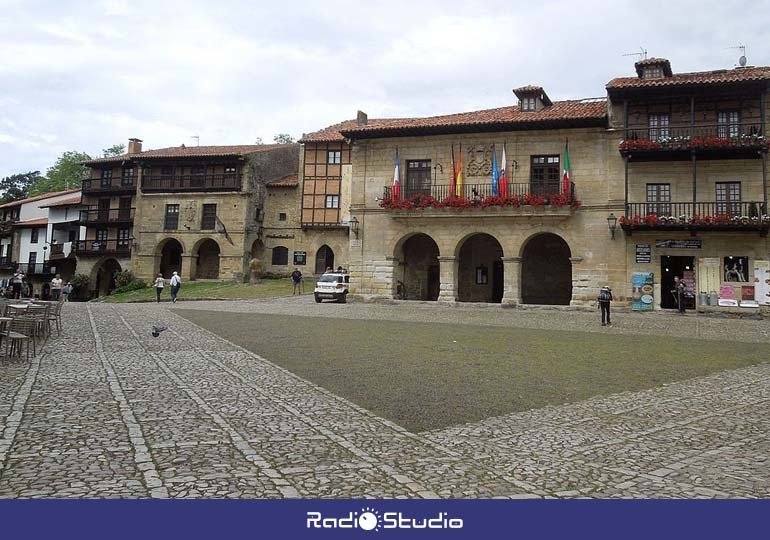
<point x="332" y="286"/>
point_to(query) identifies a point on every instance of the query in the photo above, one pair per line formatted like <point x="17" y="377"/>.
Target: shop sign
<point x="300" y="258"/>
<point x="679" y="244"/>
<point x="642" y="291"/>
<point x="643" y="253"/>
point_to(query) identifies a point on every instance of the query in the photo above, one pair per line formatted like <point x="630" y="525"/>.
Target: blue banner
<point x="216" y="519"/>
<point x="642" y="291"/>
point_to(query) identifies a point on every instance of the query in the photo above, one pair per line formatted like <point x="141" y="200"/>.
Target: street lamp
<point x="354" y="225"/>
<point x="612" y="223"/>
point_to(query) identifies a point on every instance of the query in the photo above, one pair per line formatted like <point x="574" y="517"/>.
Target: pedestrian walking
<point x="604" y="299"/>
<point x="56" y="286"/>
<point x="159" y="284"/>
<point x="680" y="292"/>
<point x="296" y="279"/>
<point x="16" y="282"/>
<point x="66" y="292"/>
<point x="176" y="284"/>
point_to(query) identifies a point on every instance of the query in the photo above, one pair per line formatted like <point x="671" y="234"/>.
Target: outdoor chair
<point x="20" y="333"/>
<point x="54" y="316"/>
<point x="40" y="313"/>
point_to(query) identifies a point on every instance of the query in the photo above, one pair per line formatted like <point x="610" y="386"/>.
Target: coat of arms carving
<point x="190" y="211"/>
<point x="479" y="160"/>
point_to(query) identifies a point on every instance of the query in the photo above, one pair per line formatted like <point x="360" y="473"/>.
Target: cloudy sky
<point x="87" y="75"/>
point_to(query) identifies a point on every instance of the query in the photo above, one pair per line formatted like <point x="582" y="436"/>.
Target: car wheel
<point x="317" y="299"/>
<point x="343" y="298"/>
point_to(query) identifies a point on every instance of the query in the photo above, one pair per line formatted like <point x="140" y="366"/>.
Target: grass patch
<point x="431" y="375"/>
<point x="208" y="290"/>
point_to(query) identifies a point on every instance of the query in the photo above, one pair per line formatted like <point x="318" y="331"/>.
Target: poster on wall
<point x="736" y="269"/>
<point x="642" y="291"/>
<point x="762" y="282"/>
<point x="709" y="275"/>
<point x="300" y="258"/>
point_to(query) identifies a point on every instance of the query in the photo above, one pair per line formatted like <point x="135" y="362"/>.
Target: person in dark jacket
<point x="604" y="299"/>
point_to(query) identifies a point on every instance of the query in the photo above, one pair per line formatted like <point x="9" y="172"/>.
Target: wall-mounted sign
<point x="679" y="244"/>
<point x="643" y="253"/>
<point x="300" y="258"/>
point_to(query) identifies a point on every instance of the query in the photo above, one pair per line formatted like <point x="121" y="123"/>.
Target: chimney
<point x="361" y="118"/>
<point x="134" y="146"/>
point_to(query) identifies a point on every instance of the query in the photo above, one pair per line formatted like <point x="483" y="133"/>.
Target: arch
<point x="206" y="255"/>
<point x="169" y="255"/>
<point x="480" y="269"/>
<point x="103" y="277"/>
<point x="418" y="277"/>
<point x="257" y="249"/>
<point x="546" y="270"/>
<point x="324" y="258"/>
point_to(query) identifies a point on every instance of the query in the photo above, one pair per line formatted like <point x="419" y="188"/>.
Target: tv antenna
<point x="742" y="60"/>
<point x="197" y="139"/>
<point x="642" y="54"/>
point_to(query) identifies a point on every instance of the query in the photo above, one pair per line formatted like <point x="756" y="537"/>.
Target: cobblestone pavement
<point x="109" y="411"/>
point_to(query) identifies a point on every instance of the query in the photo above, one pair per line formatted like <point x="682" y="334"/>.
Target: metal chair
<point x="20" y="332"/>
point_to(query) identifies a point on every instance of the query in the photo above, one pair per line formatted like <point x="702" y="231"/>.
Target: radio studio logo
<point x="371" y="519"/>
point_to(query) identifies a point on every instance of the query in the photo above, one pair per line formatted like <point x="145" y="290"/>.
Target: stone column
<point x="187" y="263"/>
<point x="448" y="271"/>
<point x="511" y="280"/>
<point x="578" y="290"/>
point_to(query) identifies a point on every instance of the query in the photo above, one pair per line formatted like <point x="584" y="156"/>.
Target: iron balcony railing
<point x="479" y="192"/>
<point x="32" y="269"/>
<point x="751" y="215"/>
<point x="109" y="185"/>
<point x="112" y="215"/>
<point x="102" y="247"/>
<point x="57" y="249"/>
<point x="194" y="182"/>
<point x="694" y="137"/>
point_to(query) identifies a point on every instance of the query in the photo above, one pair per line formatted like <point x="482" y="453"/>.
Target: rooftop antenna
<point x="197" y="139"/>
<point x="642" y="54"/>
<point x="742" y="60"/>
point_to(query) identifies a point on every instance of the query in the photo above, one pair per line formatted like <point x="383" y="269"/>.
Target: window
<point x="229" y="170"/>
<point x="209" y="217"/>
<point x="545" y="175"/>
<point x="32" y="261"/>
<point x="334" y="157"/>
<point x="658" y="124"/>
<point x="280" y="256"/>
<point x="728" y="124"/>
<point x="35" y="233"/>
<point x="282" y="216"/>
<point x="123" y="237"/>
<point x="417" y="177"/>
<point x="729" y="198"/>
<point x="332" y="201"/>
<point x="653" y="72"/>
<point x="172" y="217"/>
<point x="657" y="194"/>
<point x="101" y="235"/>
<point x="166" y="171"/>
<point x="128" y="177"/>
<point x="106" y="178"/>
<point x="529" y="104"/>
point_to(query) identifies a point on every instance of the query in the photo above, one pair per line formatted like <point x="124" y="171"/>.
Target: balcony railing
<point x="112" y="215"/>
<point x="7" y="264"/>
<point x="729" y="137"/>
<point x="481" y="195"/>
<point x="725" y="216"/>
<point x="113" y="185"/>
<point x="35" y="269"/>
<point x="195" y="182"/>
<point x="85" y="248"/>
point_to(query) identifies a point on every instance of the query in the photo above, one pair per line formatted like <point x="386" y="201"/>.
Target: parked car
<point x="332" y="286"/>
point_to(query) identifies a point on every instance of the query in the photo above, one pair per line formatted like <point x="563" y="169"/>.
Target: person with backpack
<point x="604" y="299"/>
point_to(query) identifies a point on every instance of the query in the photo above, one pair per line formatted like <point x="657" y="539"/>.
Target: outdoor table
<point x="19" y="306"/>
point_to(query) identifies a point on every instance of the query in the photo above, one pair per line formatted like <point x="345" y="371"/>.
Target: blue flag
<point x="495" y="173"/>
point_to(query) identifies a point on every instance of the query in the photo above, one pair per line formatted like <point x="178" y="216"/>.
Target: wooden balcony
<point x="97" y="248"/>
<point x="478" y="200"/>
<point x="710" y="141"/>
<point x="117" y="185"/>
<point x="113" y="215"/>
<point x="745" y="216"/>
<point x="37" y="269"/>
<point x="195" y="182"/>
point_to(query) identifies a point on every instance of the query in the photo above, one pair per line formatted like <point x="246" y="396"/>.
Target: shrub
<point x="81" y="284"/>
<point x="126" y="277"/>
<point x="134" y="285"/>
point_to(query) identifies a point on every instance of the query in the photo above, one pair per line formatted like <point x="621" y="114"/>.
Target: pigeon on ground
<point x="158" y="328"/>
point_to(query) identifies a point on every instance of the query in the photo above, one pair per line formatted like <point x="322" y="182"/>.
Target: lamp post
<point x="612" y="223"/>
<point x="354" y="225"/>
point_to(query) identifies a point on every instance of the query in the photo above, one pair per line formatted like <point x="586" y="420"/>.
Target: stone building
<point x="198" y="210"/>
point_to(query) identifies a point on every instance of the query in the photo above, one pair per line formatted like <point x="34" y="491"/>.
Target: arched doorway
<point x="546" y="271"/>
<point x="170" y="258"/>
<point x="480" y="270"/>
<point x="324" y="258"/>
<point x="420" y="279"/>
<point x="104" y="280"/>
<point x="207" y="260"/>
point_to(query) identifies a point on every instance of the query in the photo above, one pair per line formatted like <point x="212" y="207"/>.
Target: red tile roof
<point x="69" y="201"/>
<point x="39" y="197"/>
<point x="585" y="112"/>
<point x="31" y="223"/>
<point x="193" y="151"/>
<point x="698" y="78"/>
<point x="290" y="180"/>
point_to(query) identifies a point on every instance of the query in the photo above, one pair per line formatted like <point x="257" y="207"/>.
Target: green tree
<point x="114" y="150"/>
<point x="17" y="186"/>
<point x="67" y="173"/>
<point x="259" y="141"/>
<point x="283" y="138"/>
